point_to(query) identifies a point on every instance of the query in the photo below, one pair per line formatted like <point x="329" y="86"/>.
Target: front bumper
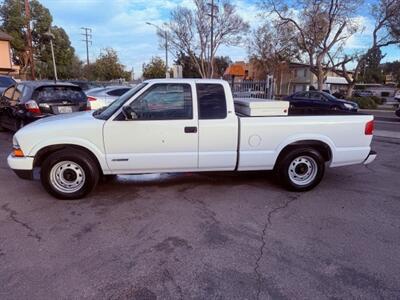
<point x="22" y="166"/>
<point x="370" y="158"/>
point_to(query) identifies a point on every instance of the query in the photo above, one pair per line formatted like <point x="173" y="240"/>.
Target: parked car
<point x="398" y="112"/>
<point x="397" y="96"/>
<point x="85" y="85"/>
<point x="185" y="125"/>
<point x="317" y="101"/>
<point x="362" y="93"/>
<point x="103" y="96"/>
<point x="28" y="101"/>
<point x="5" y="82"/>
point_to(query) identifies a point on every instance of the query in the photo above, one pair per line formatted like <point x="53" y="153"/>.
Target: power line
<point x="88" y="39"/>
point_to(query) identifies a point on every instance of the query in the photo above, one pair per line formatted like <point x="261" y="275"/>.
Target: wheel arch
<point x="322" y="147"/>
<point x="47" y="150"/>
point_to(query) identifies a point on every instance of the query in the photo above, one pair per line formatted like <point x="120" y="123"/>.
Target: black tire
<point x="83" y="174"/>
<point x="298" y="162"/>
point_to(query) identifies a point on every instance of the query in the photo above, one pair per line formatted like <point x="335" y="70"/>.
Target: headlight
<point x="16" y="151"/>
<point x="15" y="142"/>
<point x="349" y="106"/>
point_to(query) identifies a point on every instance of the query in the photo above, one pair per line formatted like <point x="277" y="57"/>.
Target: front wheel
<point x="301" y="169"/>
<point x="69" y="174"/>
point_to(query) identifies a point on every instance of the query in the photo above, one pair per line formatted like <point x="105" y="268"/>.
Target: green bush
<point x="377" y="100"/>
<point x="365" y="102"/>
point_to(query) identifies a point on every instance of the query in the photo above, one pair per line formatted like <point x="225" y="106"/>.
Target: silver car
<point x="103" y="96"/>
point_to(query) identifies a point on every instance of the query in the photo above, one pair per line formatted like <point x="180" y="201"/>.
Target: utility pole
<point x="88" y="39"/>
<point x="212" y="15"/>
<point x="29" y="38"/>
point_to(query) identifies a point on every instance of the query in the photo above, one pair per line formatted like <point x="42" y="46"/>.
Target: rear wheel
<point x="301" y="169"/>
<point x="69" y="174"/>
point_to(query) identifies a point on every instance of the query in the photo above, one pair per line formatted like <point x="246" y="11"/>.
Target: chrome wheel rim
<point x="67" y="177"/>
<point x="303" y="170"/>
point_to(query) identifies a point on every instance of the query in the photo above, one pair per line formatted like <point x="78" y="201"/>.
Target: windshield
<point x="106" y="112"/>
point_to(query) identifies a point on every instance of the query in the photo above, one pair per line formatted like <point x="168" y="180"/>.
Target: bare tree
<point x="386" y="32"/>
<point x="190" y="32"/>
<point x="322" y="27"/>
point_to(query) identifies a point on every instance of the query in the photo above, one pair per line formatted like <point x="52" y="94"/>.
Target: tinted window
<point x="212" y="101"/>
<point x="302" y="95"/>
<point x="164" y="102"/>
<point x="118" y="92"/>
<point x="5" y="81"/>
<point x="59" y="93"/>
<point x="316" y="96"/>
<point x="8" y="93"/>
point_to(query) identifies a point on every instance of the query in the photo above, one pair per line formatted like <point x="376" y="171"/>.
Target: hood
<point x="59" y="128"/>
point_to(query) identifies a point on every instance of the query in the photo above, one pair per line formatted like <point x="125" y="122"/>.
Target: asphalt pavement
<point x="205" y="236"/>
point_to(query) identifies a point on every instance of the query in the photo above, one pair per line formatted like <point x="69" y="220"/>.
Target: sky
<point x="121" y="25"/>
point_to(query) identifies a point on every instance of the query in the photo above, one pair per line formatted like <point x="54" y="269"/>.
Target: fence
<point x="262" y="89"/>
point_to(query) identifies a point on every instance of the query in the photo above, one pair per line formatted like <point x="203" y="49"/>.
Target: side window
<point x="164" y="102"/>
<point x="316" y="96"/>
<point x="212" y="101"/>
<point x="117" y="92"/>
<point x="8" y="93"/>
<point x="18" y="93"/>
<point x="303" y="95"/>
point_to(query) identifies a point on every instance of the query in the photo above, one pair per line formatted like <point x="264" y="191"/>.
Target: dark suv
<point x="28" y="101"/>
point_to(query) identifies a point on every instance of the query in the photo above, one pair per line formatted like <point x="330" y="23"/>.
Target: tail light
<point x="90" y="98"/>
<point x="369" y="128"/>
<point x="88" y="106"/>
<point x="32" y="107"/>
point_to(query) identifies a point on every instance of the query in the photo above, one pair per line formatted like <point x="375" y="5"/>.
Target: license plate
<point x="64" y="109"/>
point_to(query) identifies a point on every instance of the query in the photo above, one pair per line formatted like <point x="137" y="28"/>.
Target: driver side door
<point x="160" y="136"/>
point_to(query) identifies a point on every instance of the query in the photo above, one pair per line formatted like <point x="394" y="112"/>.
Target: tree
<point x="64" y="55"/>
<point x="107" y="67"/>
<point x="189" y="69"/>
<point x="271" y="47"/>
<point x="154" y="69"/>
<point x="190" y="32"/>
<point x="221" y="63"/>
<point x="12" y="13"/>
<point x="371" y="71"/>
<point x="321" y="28"/>
<point x="384" y="34"/>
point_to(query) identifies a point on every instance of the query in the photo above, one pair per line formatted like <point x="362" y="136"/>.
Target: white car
<point x="185" y="125"/>
<point x="103" y="96"/>
<point x="397" y="96"/>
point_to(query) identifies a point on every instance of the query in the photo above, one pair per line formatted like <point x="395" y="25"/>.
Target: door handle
<point x="190" y="129"/>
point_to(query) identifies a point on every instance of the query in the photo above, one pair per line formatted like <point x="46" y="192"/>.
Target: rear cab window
<point x="59" y="93"/>
<point x="211" y="101"/>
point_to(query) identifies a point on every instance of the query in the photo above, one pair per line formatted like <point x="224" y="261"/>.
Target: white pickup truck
<point x="185" y="125"/>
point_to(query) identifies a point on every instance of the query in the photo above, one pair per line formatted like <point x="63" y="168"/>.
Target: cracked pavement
<point x="205" y="236"/>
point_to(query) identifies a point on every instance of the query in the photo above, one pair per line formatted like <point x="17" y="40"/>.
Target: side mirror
<point x="129" y="113"/>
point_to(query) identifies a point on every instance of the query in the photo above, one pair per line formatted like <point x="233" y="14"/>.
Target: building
<point x="298" y="77"/>
<point x="6" y="65"/>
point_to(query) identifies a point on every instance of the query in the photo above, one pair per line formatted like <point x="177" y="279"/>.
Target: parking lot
<point x="205" y="236"/>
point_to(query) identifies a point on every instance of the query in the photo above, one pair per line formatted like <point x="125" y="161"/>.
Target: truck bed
<point x="263" y="138"/>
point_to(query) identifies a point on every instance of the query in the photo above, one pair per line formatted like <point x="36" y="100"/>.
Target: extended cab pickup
<point x="182" y="125"/>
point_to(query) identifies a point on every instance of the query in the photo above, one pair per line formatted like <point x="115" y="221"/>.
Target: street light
<point x="166" y="46"/>
<point x="51" y="37"/>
